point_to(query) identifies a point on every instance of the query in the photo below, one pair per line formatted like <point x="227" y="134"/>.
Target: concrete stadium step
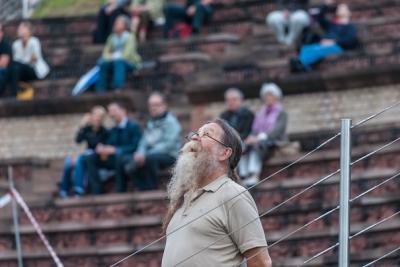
<point x="268" y="194"/>
<point x="305" y="244"/>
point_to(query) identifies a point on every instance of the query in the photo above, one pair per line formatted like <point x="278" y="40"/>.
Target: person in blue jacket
<point x="121" y="144"/>
<point x="159" y="146"/>
<point x="340" y="35"/>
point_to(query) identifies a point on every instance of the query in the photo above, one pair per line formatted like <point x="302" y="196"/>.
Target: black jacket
<point x="292" y="5"/>
<point x="126" y="139"/>
<point x="240" y="120"/>
<point x="86" y="134"/>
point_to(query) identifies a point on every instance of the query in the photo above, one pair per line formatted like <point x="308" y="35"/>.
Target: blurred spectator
<point x="158" y="148"/>
<point x="5" y="64"/>
<point x="195" y="13"/>
<point x="122" y="142"/>
<point x="269" y="127"/>
<point x="340" y="35"/>
<point x="28" y="64"/>
<point x="119" y="56"/>
<point x="107" y="16"/>
<point x="238" y="116"/>
<point x="93" y="133"/>
<point x="289" y="21"/>
<point x="146" y="13"/>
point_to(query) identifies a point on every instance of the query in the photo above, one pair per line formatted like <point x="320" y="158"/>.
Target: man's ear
<point x="226" y="153"/>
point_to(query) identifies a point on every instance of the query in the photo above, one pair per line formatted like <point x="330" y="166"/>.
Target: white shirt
<point x="24" y="54"/>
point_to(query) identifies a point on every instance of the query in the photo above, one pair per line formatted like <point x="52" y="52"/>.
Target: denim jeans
<point x="146" y="177"/>
<point x="117" y="68"/>
<point x="73" y="175"/>
<point x="313" y="53"/>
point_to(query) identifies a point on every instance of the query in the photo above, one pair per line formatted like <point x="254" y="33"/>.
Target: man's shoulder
<point x="231" y="191"/>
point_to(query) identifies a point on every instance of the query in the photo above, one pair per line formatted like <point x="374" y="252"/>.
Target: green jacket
<point x="129" y="50"/>
<point x="156" y="7"/>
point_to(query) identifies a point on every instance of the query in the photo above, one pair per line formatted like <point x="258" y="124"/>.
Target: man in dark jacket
<point x="289" y="20"/>
<point x="194" y="13"/>
<point x="121" y="144"/>
<point x="5" y="63"/>
<point x="238" y="116"/>
<point x="340" y="35"/>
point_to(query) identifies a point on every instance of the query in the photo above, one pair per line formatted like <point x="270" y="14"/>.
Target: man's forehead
<point x="211" y="127"/>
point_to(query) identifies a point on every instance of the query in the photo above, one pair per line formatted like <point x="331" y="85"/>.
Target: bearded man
<point x="204" y="184"/>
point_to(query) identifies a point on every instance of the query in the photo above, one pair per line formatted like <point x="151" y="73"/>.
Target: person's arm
<point x="6" y="56"/>
<point x="280" y="127"/>
<point x="107" y="51"/>
<point x="172" y="132"/>
<point x="247" y="123"/>
<point x="135" y="135"/>
<point x="129" y="51"/>
<point x="258" y="257"/>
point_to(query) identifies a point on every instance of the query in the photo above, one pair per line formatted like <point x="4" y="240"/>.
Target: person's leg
<point x="255" y="162"/>
<point x="101" y="84"/>
<point x="298" y="20"/>
<point x="173" y="13"/>
<point x="13" y="77"/>
<point x="3" y="80"/>
<point x="202" y="14"/>
<point x="66" y="177"/>
<point x="154" y="162"/>
<point x="121" y="176"/>
<point x="243" y="166"/>
<point x="120" y="68"/>
<point x="26" y="73"/>
<point x="277" y="21"/>
<point x="311" y="54"/>
<point x="78" y="177"/>
<point x="92" y="163"/>
<point x="100" y="35"/>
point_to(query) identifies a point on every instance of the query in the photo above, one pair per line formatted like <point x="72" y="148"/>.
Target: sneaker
<point x="63" y="194"/>
<point x="252" y="180"/>
<point x="296" y="66"/>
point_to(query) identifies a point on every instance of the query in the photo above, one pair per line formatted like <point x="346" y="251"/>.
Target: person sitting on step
<point x="159" y="146"/>
<point x="145" y="14"/>
<point x="237" y="115"/>
<point x="269" y="127"/>
<point x="122" y="142"/>
<point x="92" y="132"/>
<point x="119" y="56"/>
<point x="194" y="13"/>
<point x="340" y="35"/>
<point x="28" y="64"/>
<point x="5" y="65"/>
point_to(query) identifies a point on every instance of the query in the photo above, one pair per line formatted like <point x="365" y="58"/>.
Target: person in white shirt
<point x="29" y="64"/>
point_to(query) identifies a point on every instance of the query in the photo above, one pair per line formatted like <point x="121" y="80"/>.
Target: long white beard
<point x="192" y="165"/>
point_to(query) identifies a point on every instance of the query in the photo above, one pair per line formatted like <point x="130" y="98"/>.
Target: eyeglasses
<point x="190" y="136"/>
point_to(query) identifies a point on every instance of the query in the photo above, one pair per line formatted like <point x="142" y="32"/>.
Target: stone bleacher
<point x="236" y="49"/>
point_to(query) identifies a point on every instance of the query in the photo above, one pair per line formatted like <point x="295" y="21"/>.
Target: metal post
<point x="345" y="177"/>
<point x="15" y="219"/>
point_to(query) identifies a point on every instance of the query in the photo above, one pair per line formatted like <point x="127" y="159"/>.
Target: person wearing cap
<point x="204" y="185"/>
<point x="269" y="127"/>
<point x="237" y="115"/>
<point x="119" y="56"/>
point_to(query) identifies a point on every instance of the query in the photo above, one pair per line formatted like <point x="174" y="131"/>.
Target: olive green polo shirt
<point x="230" y="216"/>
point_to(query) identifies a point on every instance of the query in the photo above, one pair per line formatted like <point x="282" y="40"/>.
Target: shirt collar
<point x="123" y="123"/>
<point x="216" y="184"/>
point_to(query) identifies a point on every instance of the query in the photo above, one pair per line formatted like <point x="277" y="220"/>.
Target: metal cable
<point x="351" y="237"/>
<point x="284" y="202"/>
<point x="218" y="206"/>
<point x="324" y="215"/>
<point x="260" y="182"/>
<point x="376" y="115"/>
<point x="375" y="151"/>
<point x="380" y="258"/>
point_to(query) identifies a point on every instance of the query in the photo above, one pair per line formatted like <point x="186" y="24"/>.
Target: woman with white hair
<point x="268" y="128"/>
